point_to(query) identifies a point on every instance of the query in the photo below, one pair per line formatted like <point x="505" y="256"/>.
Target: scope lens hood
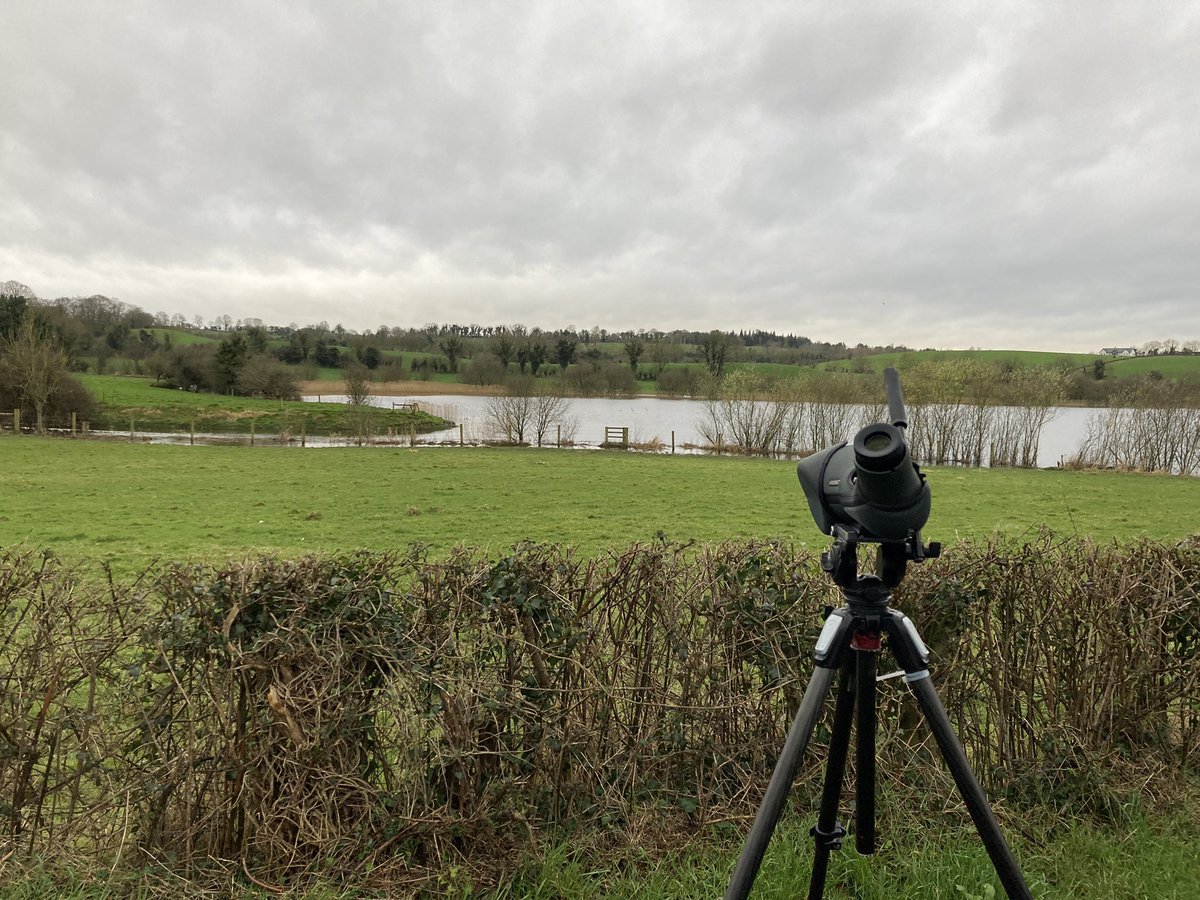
<point x="879" y="448"/>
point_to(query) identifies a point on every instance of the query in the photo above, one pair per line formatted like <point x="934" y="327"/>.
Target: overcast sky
<point x="936" y="174"/>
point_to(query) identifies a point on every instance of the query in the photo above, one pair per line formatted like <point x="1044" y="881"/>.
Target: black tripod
<point x="859" y="626"/>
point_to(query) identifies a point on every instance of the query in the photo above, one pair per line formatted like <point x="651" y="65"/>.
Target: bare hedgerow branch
<point x="374" y="717"/>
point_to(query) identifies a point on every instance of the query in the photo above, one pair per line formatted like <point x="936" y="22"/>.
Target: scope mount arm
<point x="840" y="561"/>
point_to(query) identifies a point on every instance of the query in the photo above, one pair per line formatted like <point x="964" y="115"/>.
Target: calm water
<point x="650" y="418"/>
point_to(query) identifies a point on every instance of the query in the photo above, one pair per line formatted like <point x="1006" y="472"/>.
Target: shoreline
<point x="411" y="388"/>
<point x="436" y="388"/>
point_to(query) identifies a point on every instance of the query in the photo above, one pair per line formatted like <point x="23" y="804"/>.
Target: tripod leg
<point x="864" y="754"/>
<point x="781" y="782"/>
<point x="909" y="650"/>
<point x="977" y="804"/>
<point x="828" y="832"/>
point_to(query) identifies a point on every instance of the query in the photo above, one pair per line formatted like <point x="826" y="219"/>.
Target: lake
<point x="653" y="418"/>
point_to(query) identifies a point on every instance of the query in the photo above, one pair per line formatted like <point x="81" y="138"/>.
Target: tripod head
<point x="891" y="562"/>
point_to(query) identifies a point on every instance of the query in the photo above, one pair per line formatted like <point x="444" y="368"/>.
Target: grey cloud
<point x="954" y="175"/>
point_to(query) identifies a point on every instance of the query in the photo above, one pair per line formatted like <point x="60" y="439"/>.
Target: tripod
<point x="859" y="626"/>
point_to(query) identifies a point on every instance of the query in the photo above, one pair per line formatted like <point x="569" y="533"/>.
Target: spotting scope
<point x="870" y="485"/>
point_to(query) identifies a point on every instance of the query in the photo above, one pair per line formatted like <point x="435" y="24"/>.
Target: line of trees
<point x="240" y="357"/>
<point x="1153" y="428"/>
<point x="35" y="376"/>
<point x="752" y="413"/>
<point x="101" y="328"/>
<point x="999" y="425"/>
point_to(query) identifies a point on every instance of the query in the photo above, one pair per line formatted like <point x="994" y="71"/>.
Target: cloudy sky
<point x="937" y="174"/>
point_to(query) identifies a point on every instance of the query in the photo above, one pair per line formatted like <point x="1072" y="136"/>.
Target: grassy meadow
<point x="123" y="399"/>
<point x="1142" y="860"/>
<point x="129" y="505"/>
<point x="134" y="503"/>
<point x="1115" y="367"/>
<point x="1167" y="366"/>
<point x="908" y="358"/>
<point x="912" y="863"/>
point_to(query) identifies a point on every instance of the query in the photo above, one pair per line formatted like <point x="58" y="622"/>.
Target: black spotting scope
<point x="870" y="485"/>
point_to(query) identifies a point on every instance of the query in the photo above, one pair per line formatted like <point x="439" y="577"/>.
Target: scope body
<point x="871" y="485"/>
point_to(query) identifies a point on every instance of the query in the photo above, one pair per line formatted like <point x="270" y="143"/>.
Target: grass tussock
<point x="381" y="720"/>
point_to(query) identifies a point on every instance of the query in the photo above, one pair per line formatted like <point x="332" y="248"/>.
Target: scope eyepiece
<point x="879" y="448"/>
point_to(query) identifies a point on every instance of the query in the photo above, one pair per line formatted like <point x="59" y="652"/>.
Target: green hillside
<point x="1183" y="366"/>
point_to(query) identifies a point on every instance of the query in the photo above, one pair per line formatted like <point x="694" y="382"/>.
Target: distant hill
<point x="1177" y="366"/>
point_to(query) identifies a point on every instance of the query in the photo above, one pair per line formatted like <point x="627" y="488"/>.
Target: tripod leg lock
<point x="834" y="639"/>
<point x="828" y="840"/>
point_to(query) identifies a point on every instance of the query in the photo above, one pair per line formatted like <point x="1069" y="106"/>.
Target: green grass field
<point x="914" y="863"/>
<point x="1169" y="366"/>
<point x="152" y="408"/>
<point x="181" y="337"/>
<point x="908" y="358"/>
<point x="133" y="503"/>
<point x="1143" y="861"/>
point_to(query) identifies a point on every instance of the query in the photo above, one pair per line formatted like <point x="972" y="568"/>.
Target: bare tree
<point x="751" y="414"/>
<point x="529" y="410"/>
<point x="1152" y="427"/>
<point x="34" y="363"/>
<point x="358" y="385"/>
<point x="16" y="289"/>
<point x="511" y="416"/>
<point x="550" y="409"/>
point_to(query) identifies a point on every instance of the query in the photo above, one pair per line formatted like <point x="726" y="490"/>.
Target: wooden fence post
<point x="192" y="433"/>
<point x="251" y="432"/>
<point x="131" y="428"/>
<point x="672" y="442"/>
<point x="558" y="436"/>
<point x="303" y="427"/>
<point x="412" y="435"/>
<point x="460" y="434"/>
<point x="73" y="420"/>
<point x="16" y="421"/>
